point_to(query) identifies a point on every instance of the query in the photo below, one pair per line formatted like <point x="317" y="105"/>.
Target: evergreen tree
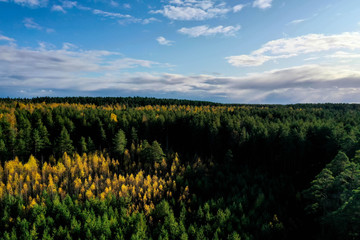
<point x="3" y="150"/>
<point x="140" y="227"/>
<point x="157" y="152"/>
<point x="152" y="153"/>
<point x="338" y="164"/>
<point x="11" y="143"/>
<point x="38" y="141"/>
<point x="83" y="145"/>
<point x="64" y="143"/>
<point x="44" y="134"/>
<point x="134" y="135"/>
<point x="119" y="142"/>
<point x="90" y="145"/>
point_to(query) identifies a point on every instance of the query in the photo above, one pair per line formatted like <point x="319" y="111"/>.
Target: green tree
<point x="3" y="150"/>
<point x="119" y="142"/>
<point x="38" y="141"/>
<point x="319" y="192"/>
<point x="44" y="134"/>
<point x="152" y="153"/>
<point x="83" y="145"/>
<point x="134" y="135"/>
<point x="234" y="236"/>
<point x="157" y="151"/>
<point x="90" y="145"/>
<point x="64" y="143"/>
<point x="338" y="164"/>
<point x="140" y="227"/>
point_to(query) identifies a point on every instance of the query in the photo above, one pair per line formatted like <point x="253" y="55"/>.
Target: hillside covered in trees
<point x="144" y="168"/>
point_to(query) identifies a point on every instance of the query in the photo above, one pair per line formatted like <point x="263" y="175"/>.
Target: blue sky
<point x="234" y="51"/>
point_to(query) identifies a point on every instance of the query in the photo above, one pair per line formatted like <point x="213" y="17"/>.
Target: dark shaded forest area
<point x="145" y="168"/>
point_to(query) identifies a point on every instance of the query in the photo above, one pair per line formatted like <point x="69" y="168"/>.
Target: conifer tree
<point x="83" y="146"/>
<point x="119" y="142"/>
<point x="64" y="143"/>
<point x="90" y="145"/>
<point x="38" y="141"/>
<point x="3" y="149"/>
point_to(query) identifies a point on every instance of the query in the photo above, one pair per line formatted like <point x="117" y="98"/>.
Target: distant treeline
<point x="128" y="101"/>
<point x="143" y="101"/>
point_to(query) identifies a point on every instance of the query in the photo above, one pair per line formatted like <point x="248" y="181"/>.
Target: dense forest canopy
<point x="145" y="168"/>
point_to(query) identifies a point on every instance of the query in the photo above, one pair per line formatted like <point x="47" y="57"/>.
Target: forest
<point x="146" y="168"/>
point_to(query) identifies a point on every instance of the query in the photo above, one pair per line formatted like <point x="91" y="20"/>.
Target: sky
<point x="229" y="51"/>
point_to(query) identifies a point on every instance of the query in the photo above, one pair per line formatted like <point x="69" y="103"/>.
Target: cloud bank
<point x="290" y="47"/>
<point x="85" y="72"/>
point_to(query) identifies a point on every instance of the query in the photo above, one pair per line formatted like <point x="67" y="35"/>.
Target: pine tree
<point x="119" y="142"/>
<point x="3" y="149"/>
<point x="64" y="143"/>
<point x="338" y="164"/>
<point x="83" y="146"/>
<point x="90" y="145"/>
<point x="44" y="134"/>
<point x="134" y="135"/>
<point x="38" y="141"/>
<point x="157" y="152"/>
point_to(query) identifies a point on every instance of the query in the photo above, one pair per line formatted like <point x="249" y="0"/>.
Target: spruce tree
<point x="83" y="146"/>
<point x="64" y="143"/>
<point x="119" y="142"/>
<point x="38" y="141"/>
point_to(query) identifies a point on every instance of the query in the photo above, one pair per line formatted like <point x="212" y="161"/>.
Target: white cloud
<point x="29" y="23"/>
<point x="58" y="8"/>
<point x="192" y="10"/>
<point x="262" y="4"/>
<point x="114" y="3"/>
<point x="69" y="4"/>
<point x="163" y="41"/>
<point x="297" y="21"/>
<point x="63" y="6"/>
<point x="114" y="15"/>
<point x="68" y="46"/>
<point x="247" y="60"/>
<point x="311" y="58"/>
<point x="150" y="20"/>
<point x="45" y="46"/>
<point x="291" y="47"/>
<point x="30" y="3"/>
<point x="5" y="38"/>
<point x="204" y="30"/>
<point x="110" y="14"/>
<point x="124" y="18"/>
<point x="238" y="8"/>
<point x="127" y="6"/>
<point x="344" y="55"/>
